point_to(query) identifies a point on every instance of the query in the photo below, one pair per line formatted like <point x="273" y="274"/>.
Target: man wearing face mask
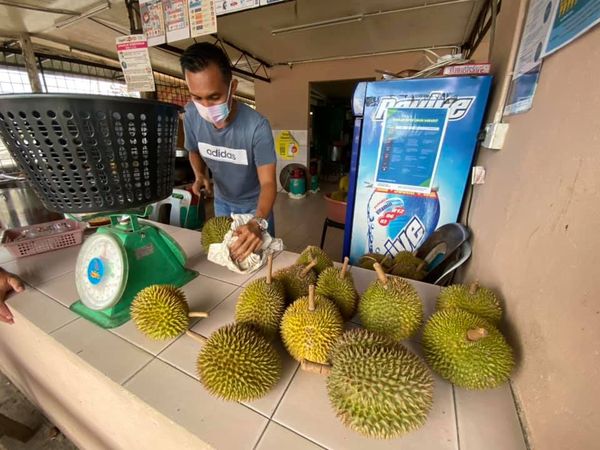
<point x="233" y="141"/>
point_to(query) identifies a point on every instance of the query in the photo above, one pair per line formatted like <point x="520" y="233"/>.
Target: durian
<point x="391" y="306"/>
<point x="237" y="363"/>
<point x="310" y="327"/>
<point x="296" y="279"/>
<point x="311" y="253"/>
<point x="214" y="231"/>
<point x="377" y="388"/>
<point x="261" y="304"/>
<point x="161" y="312"/>
<point x="467" y="350"/>
<point x="407" y="265"/>
<point x="338" y="286"/>
<point x="367" y="261"/>
<point x="472" y="298"/>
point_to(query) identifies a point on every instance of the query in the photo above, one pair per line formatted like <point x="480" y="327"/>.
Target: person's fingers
<point x="244" y="248"/>
<point x="5" y="314"/>
<point x="16" y="283"/>
<point x="238" y="243"/>
<point x="254" y="245"/>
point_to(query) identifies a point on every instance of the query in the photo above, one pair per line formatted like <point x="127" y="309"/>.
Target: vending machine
<point x="413" y="147"/>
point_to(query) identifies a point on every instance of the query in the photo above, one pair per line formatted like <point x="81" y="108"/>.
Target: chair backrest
<point x="178" y="200"/>
<point x="440" y="249"/>
<point x="461" y="257"/>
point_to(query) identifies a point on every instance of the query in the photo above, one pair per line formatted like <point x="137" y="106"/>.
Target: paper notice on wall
<point x="269" y="2"/>
<point x="522" y="91"/>
<point x="571" y="20"/>
<point x="135" y="62"/>
<point x="229" y="6"/>
<point x="153" y="21"/>
<point x="535" y="35"/>
<point x="176" y="19"/>
<point x="203" y="17"/>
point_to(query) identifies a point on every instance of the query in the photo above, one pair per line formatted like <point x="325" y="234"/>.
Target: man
<point x="233" y="141"/>
<point x="8" y="283"/>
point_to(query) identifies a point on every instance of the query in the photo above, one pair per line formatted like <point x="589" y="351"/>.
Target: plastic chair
<point x="444" y="251"/>
<point x="180" y="200"/>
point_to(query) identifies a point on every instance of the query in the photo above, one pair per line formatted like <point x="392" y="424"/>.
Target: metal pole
<point x="30" y="63"/>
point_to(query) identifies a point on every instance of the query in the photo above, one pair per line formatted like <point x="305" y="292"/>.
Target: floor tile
<point x="37" y="269"/>
<point x="223" y="425"/>
<point x="5" y="256"/>
<point x="62" y="289"/>
<point x="111" y="355"/>
<point x="305" y="409"/>
<point x="488" y="419"/>
<point x="277" y="437"/>
<point x="41" y="310"/>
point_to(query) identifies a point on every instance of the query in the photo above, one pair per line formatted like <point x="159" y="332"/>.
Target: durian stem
<point x="380" y="273"/>
<point x="475" y="334"/>
<point x="421" y="266"/>
<point x="311" y="297"/>
<point x="344" y="268"/>
<point x="319" y="369"/>
<point x="270" y="268"/>
<point x="198" y="314"/>
<point x="308" y="268"/>
<point x="197" y="337"/>
<point x="473" y="288"/>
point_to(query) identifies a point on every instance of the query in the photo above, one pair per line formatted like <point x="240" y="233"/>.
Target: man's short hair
<point x="198" y="57"/>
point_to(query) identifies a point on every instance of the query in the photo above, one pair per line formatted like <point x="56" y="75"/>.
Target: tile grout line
<point x="520" y="416"/>
<point x="128" y="379"/>
<point x="262" y="434"/>
<point x="63" y="326"/>
<point x="284" y="392"/>
<point x="456" y="417"/>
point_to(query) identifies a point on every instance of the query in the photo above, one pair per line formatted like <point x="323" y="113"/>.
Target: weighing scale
<point x="88" y="156"/>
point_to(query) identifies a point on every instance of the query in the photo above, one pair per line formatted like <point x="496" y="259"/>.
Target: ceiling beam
<point x="21" y="5"/>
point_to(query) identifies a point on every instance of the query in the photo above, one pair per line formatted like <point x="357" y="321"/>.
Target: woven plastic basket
<point x="89" y="153"/>
<point x="34" y="239"/>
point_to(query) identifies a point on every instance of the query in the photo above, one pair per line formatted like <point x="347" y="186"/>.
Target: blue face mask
<point x="216" y="114"/>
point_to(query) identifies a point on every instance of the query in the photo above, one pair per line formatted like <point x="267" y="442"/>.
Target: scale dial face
<point x="101" y="272"/>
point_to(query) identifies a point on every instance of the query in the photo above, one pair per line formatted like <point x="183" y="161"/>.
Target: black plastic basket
<point x="89" y="153"/>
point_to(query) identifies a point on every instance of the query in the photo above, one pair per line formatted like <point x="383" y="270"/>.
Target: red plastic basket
<point x="44" y="237"/>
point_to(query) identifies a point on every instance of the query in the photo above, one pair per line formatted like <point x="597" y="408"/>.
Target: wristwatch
<point x="263" y="224"/>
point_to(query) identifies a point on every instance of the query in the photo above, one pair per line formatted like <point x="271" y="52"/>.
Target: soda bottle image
<point x="399" y="220"/>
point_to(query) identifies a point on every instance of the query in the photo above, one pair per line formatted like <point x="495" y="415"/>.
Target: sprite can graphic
<point x="400" y="221"/>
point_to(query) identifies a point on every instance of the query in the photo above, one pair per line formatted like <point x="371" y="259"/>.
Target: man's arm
<point x="199" y="168"/>
<point x="250" y="235"/>
<point x="268" y="190"/>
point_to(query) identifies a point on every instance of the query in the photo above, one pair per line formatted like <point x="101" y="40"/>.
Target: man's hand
<point x="249" y="239"/>
<point x="8" y="283"/>
<point x="202" y="183"/>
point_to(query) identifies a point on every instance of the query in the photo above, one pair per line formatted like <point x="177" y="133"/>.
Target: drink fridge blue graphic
<point x="413" y="148"/>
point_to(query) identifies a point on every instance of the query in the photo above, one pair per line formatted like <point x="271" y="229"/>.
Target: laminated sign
<point x="135" y="62"/>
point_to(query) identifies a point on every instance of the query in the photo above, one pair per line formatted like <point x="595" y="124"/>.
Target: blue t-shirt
<point x="232" y="153"/>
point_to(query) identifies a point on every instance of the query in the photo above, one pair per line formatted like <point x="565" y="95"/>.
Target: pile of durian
<point x="376" y="385"/>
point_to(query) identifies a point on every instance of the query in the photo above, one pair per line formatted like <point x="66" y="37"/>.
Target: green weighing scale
<point x="93" y="156"/>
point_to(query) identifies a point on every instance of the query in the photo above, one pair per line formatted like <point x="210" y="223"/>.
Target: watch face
<point x="101" y="271"/>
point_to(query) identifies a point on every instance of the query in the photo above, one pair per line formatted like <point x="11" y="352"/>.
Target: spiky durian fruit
<point x="310" y="327"/>
<point x="311" y="253"/>
<point x="296" y="279"/>
<point x="338" y="286"/>
<point x="391" y="306"/>
<point x="237" y="363"/>
<point x="261" y="304"/>
<point x="378" y="388"/>
<point x="409" y="266"/>
<point x="467" y="350"/>
<point x="367" y="261"/>
<point x="478" y="300"/>
<point x="160" y="311"/>
<point x="214" y="231"/>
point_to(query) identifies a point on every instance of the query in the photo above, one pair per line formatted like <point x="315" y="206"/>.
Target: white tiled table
<point x="84" y="376"/>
